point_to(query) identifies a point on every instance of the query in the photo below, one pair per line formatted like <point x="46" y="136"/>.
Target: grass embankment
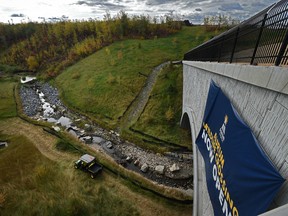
<point x="33" y="184"/>
<point x="7" y="103"/>
<point x="8" y="69"/>
<point x="38" y="179"/>
<point x="162" y="113"/>
<point x="104" y="84"/>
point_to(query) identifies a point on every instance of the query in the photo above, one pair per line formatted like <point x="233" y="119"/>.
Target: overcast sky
<point x="194" y="10"/>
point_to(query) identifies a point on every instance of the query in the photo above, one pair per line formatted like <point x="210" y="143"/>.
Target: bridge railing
<point x="262" y="39"/>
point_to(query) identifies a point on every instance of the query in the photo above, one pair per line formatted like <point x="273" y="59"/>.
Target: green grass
<point x="8" y="69"/>
<point x="64" y="142"/>
<point x="31" y="184"/>
<point x="163" y="111"/>
<point x="7" y="104"/>
<point x="63" y="145"/>
<point x="105" y="83"/>
<point x="12" y="159"/>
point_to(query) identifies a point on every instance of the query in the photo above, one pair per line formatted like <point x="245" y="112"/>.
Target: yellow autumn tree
<point x="169" y="114"/>
<point x="32" y="63"/>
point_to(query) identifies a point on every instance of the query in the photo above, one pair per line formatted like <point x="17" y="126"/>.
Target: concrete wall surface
<point x="259" y="94"/>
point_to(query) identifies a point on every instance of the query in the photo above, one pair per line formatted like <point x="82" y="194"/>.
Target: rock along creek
<point x="41" y="101"/>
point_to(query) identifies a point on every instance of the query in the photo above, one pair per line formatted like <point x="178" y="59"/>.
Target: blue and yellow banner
<point x="241" y="179"/>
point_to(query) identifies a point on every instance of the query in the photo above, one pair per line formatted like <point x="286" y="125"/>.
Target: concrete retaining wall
<point x="259" y="94"/>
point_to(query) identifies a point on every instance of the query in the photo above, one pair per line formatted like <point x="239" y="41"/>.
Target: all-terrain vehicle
<point x="88" y="164"/>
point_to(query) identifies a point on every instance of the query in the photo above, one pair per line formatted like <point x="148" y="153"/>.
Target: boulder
<point x="109" y="145"/>
<point x="3" y="144"/>
<point x="88" y="127"/>
<point x="144" y="168"/>
<point x="187" y="156"/>
<point x="160" y="169"/>
<point x="81" y="135"/>
<point x="136" y="162"/>
<point x="57" y="129"/>
<point x="128" y="159"/>
<point x="75" y="128"/>
<point x="174" y="168"/>
<point x="87" y="139"/>
<point x="121" y="162"/>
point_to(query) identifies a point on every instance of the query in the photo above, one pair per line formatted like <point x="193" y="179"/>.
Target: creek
<point x="41" y="102"/>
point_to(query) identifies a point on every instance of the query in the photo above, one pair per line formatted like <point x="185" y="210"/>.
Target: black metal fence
<point x="262" y="39"/>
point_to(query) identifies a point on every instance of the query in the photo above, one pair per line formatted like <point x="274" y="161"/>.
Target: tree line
<point x="50" y="47"/>
<point x="219" y="22"/>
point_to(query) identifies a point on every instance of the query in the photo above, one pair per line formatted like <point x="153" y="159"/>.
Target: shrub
<point x="76" y="75"/>
<point x="2" y="199"/>
<point x="120" y="55"/>
<point x="169" y="114"/>
<point x="63" y="145"/>
<point x="111" y="79"/>
<point x="32" y="63"/>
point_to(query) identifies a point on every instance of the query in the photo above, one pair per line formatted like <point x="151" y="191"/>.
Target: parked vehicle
<point x="88" y="164"/>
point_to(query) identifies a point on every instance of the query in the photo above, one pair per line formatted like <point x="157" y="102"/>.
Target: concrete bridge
<point x="260" y="95"/>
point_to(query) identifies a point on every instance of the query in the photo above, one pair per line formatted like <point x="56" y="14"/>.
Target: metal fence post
<point x="282" y="50"/>
<point x="220" y="50"/>
<point x="258" y="39"/>
<point x="234" y="45"/>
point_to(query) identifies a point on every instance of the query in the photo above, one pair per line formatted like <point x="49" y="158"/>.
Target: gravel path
<point x="139" y="103"/>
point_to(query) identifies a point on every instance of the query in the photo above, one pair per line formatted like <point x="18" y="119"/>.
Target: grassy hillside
<point x="104" y="84"/>
<point x="162" y="113"/>
<point x="37" y="179"/>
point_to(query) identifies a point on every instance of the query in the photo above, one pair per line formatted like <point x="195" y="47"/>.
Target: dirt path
<point x="137" y="106"/>
<point x="44" y="142"/>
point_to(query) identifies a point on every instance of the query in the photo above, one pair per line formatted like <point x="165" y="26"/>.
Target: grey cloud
<point x="17" y="15"/>
<point x="258" y="5"/>
<point x="195" y="18"/>
<point x="163" y="10"/>
<point x="231" y="7"/>
<point x="196" y="9"/>
<point x="56" y="19"/>
<point x="91" y="2"/>
<point x="113" y="6"/>
<point x="148" y="11"/>
<point x="159" y="2"/>
<point x="192" y="4"/>
<point x="100" y="3"/>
